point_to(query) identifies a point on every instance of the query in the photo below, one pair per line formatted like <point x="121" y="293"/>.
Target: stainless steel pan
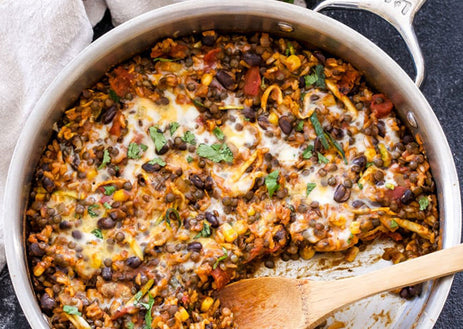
<point x="242" y="16"/>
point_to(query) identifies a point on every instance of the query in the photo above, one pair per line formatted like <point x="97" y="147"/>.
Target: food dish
<point x="269" y="156"/>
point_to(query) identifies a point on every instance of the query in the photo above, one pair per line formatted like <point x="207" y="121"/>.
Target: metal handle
<point x="399" y="13"/>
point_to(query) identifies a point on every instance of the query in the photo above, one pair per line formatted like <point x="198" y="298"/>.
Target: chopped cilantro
<point x="91" y="212"/>
<point x="158" y="138"/>
<point x="319" y="130"/>
<point x="289" y="45"/>
<point x="317" y="78"/>
<point x="215" y="152"/>
<point x="107" y="205"/>
<point x="424" y="203"/>
<point x="310" y="187"/>
<point x="114" y="96"/>
<point x="218" y="133"/>
<point x="173" y="127"/>
<point x="221" y="258"/>
<point x="158" y="161"/>
<point x="97" y="232"/>
<point x="189" y="159"/>
<point x="148" y="316"/>
<point x="189" y="138"/>
<point x="360" y="185"/>
<point x="135" y="150"/>
<point x="106" y="159"/>
<point x="322" y="158"/>
<point x="393" y="224"/>
<point x="72" y="310"/>
<point x="300" y="126"/>
<point x="198" y="103"/>
<point x="109" y="189"/>
<point x="369" y="164"/>
<point x="130" y="325"/>
<point x="205" y="232"/>
<point x="307" y="153"/>
<point x="271" y="181"/>
<point x="310" y="79"/>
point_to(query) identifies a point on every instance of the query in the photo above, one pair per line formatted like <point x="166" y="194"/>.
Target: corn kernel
<point x="120" y="195"/>
<point x="251" y="211"/>
<point x="355" y="227"/>
<point x="352" y="254"/>
<point x="293" y="63"/>
<point x="385" y="156"/>
<point x="92" y="174"/>
<point x="307" y="253"/>
<point x="206" y="79"/>
<point x="240" y="226"/>
<point x="273" y="118"/>
<point x="206" y="304"/>
<point x="229" y="233"/>
<point x="39" y="269"/>
<point x="182" y="315"/>
<point x="370" y="153"/>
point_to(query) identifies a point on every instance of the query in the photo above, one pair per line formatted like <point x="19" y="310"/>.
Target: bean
<point x="163" y="150"/>
<point x="133" y="262"/>
<point x="341" y="194"/>
<point x="381" y="128"/>
<point x="76" y="234"/>
<point x="65" y="225"/>
<point x="285" y="124"/>
<point x="225" y="79"/>
<point x="411" y="291"/>
<point x="47" y="303"/>
<point x="269" y="263"/>
<point x="332" y="181"/>
<point x="127" y="186"/>
<point x="208" y="40"/>
<point x="36" y="250"/>
<point x="197" y="181"/>
<point x="108" y="115"/>
<point x="48" y="184"/>
<point x="407" y="197"/>
<point x="194" y="246"/>
<point x="360" y="161"/>
<point x="249" y="114"/>
<point x="148" y="167"/>
<point x="106" y="223"/>
<point x="107" y="273"/>
<point x="170" y="197"/>
<point x="263" y="122"/>
<point x="120" y="236"/>
<point x="208" y="183"/>
<point x="252" y="59"/>
<point x="378" y="175"/>
<point x="212" y="219"/>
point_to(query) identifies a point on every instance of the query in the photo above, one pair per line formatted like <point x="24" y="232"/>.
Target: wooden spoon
<point x="283" y="303"/>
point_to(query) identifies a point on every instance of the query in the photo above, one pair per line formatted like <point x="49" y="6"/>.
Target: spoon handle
<point x="346" y="291"/>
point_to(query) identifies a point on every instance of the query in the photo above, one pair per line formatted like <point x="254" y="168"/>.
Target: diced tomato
<point x="396" y="193"/>
<point x="178" y="51"/>
<point x="105" y="198"/>
<point x="252" y="81"/>
<point x="380" y="105"/>
<point x="120" y="81"/>
<point x="118" y="122"/>
<point x="211" y="57"/>
<point x="123" y="311"/>
<point x="221" y="278"/>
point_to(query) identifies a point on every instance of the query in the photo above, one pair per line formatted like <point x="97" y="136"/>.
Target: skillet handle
<point x="399" y="13"/>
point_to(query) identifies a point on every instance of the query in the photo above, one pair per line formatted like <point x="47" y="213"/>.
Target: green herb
<point x="307" y="153"/>
<point x="114" y="96"/>
<point x="198" y="103"/>
<point x="189" y="159"/>
<point x="319" y="130"/>
<point x="138" y="296"/>
<point x="390" y="186"/>
<point x="337" y="146"/>
<point x="173" y="127"/>
<point x="97" y="232"/>
<point x="215" y="152"/>
<point x="106" y="159"/>
<point x="218" y="133"/>
<point x="149" y="307"/>
<point x="134" y="151"/>
<point x="302" y="96"/>
<point x="221" y="258"/>
<point x="91" y="212"/>
<point x="290" y="47"/>
<point x="393" y="224"/>
<point x="158" y="161"/>
<point x="72" y="310"/>
<point x="360" y="185"/>
<point x="130" y="325"/>
<point x="168" y="216"/>
<point x="109" y="189"/>
<point x="351" y="236"/>
<point x="369" y="164"/>
<point x="205" y="232"/>
<point x="310" y="79"/>
<point x="158" y="138"/>
<point x="300" y="126"/>
<point x="322" y="158"/>
<point x="271" y="181"/>
<point x="424" y="203"/>
<point x="310" y="187"/>
<point x="107" y="205"/>
<point x="189" y="138"/>
<point x="317" y="78"/>
<point x="160" y="59"/>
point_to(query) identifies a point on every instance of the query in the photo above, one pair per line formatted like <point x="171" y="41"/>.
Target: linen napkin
<point x="37" y="39"/>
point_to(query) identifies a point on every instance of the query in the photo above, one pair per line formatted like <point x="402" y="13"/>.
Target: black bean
<point x="148" y="167"/>
<point x="252" y="59"/>
<point x="263" y="122"/>
<point x="225" y="79"/>
<point x="212" y="219"/>
<point x="36" y="250"/>
<point x="407" y="197"/>
<point x="280" y="235"/>
<point x="381" y="128"/>
<point x="47" y="303"/>
<point x="360" y="161"/>
<point x="317" y="145"/>
<point x="127" y="186"/>
<point x="338" y="133"/>
<point x="108" y="115"/>
<point x="286" y="124"/>
<point x="106" y="223"/>
<point x="120" y="236"/>
<point x="341" y="194"/>
<point x="378" y="175"/>
<point x="411" y="291"/>
<point x="197" y="181"/>
<point x="208" y="183"/>
<point x="76" y="234"/>
<point x="48" y="184"/>
<point x="357" y="203"/>
<point x="133" y="262"/>
<point x="408" y="139"/>
<point x="208" y="40"/>
<point x="107" y="273"/>
<point x="194" y="246"/>
<point x="269" y="263"/>
<point x="249" y="114"/>
<point x="65" y="225"/>
<point x="163" y="150"/>
<point x="332" y="181"/>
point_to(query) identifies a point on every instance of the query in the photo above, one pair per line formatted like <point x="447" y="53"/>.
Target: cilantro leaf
<point x="107" y="205"/>
<point x="307" y="153"/>
<point x="360" y="185"/>
<point x="114" y="96"/>
<point x="97" y="232"/>
<point x="189" y="159"/>
<point x="148" y="316"/>
<point x="218" y="133"/>
<point x="91" y="212"/>
<point x="310" y="79"/>
<point x="317" y="78"/>
<point x="424" y="203"/>
<point x="130" y="325"/>
<point x="106" y="159"/>
<point x="271" y="181"/>
<point x="158" y="138"/>
<point x="319" y="130"/>
<point x="221" y="258"/>
<point x="72" y="310"/>
<point x="322" y="158"/>
<point x="215" y="152"/>
<point x="189" y="138"/>
<point x="300" y="126"/>
<point x="158" y="161"/>
<point x="393" y="224"/>
<point x="205" y="232"/>
<point x="173" y="127"/>
<point x="109" y="189"/>
<point x="310" y="187"/>
<point x="135" y="150"/>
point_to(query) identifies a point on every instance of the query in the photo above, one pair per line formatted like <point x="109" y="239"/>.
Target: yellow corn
<point x="370" y="153"/>
<point x="385" y="156"/>
<point x="206" y="79"/>
<point x="307" y="253"/>
<point x="120" y="196"/>
<point x="293" y="63"/>
<point x="92" y="173"/>
<point x="241" y="226"/>
<point x="39" y="269"/>
<point x="352" y="254"/>
<point x="273" y="118"/>
<point x="251" y="211"/>
<point x="229" y="233"/>
<point x="182" y="315"/>
<point x="206" y="304"/>
<point x="355" y="227"/>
